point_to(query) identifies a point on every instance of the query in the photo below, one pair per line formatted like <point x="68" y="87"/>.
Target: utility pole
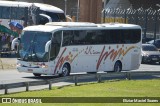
<point x="65" y="6"/>
<point x="77" y="11"/>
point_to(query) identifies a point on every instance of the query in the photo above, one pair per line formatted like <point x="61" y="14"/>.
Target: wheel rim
<point x="65" y="71"/>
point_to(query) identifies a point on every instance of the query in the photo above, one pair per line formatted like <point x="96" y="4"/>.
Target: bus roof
<point x="118" y="25"/>
<point x="49" y="27"/>
<point x="72" y="24"/>
<point x="42" y="28"/>
<point x="47" y="7"/>
<point x="44" y="7"/>
<point x="14" y="4"/>
<point x="88" y="24"/>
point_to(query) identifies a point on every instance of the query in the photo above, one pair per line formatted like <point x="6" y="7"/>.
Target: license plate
<point x="154" y="59"/>
<point x="30" y="70"/>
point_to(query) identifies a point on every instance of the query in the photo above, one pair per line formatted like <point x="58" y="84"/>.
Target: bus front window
<point x="56" y="17"/>
<point x="32" y="46"/>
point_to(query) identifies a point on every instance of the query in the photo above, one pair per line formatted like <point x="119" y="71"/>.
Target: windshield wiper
<point x="34" y="53"/>
<point x="30" y="50"/>
<point x="25" y="57"/>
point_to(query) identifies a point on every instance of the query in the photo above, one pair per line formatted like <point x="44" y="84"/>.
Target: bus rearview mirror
<point x="15" y="43"/>
<point x="47" y="46"/>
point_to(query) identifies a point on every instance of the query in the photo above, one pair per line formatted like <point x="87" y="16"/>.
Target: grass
<point x="113" y="88"/>
<point x="123" y="88"/>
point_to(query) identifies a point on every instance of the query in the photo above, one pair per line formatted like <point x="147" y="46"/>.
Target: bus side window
<point x="80" y="37"/>
<point x="67" y="38"/>
<point x="5" y="11"/>
<point x="131" y="36"/>
<point x="135" y="35"/>
<point x="126" y="34"/>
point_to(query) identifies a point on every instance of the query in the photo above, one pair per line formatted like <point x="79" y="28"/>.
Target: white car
<point x="150" y="54"/>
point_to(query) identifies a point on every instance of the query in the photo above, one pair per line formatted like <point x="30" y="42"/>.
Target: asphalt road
<point x="9" y="75"/>
<point x="13" y="76"/>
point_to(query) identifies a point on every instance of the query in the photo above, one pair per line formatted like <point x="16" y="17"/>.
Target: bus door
<point x="55" y="46"/>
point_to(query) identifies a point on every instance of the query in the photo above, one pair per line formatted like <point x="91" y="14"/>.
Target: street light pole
<point x="65" y="10"/>
<point x="77" y="11"/>
<point x="155" y="23"/>
<point x="103" y="12"/>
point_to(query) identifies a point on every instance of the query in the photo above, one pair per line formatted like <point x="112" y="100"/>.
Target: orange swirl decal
<point x="60" y="60"/>
<point x="112" y="53"/>
<point x="69" y="58"/>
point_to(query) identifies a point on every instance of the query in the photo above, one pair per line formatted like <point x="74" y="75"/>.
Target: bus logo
<point x="113" y="54"/>
<point x="6" y="100"/>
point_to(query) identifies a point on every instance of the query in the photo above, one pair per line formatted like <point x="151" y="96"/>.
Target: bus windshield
<point x="56" y="17"/>
<point x="32" y="46"/>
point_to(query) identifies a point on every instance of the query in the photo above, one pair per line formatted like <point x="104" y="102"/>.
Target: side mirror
<point x="47" y="46"/>
<point x="43" y="19"/>
<point x="14" y="43"/>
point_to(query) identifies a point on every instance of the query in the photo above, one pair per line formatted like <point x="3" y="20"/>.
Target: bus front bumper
<point x="34" y="70"/>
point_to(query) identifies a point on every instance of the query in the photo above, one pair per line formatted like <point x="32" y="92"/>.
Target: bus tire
<point x="117" y="66"/>
<point x="65" y="70"/>
<point x="36" y="75"/>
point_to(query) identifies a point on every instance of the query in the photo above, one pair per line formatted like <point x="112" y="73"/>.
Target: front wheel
<point x="142" y="61"/>
<point x="117" y="67"/>
<point x="65" y="71"/>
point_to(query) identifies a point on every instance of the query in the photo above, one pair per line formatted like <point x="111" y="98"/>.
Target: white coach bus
<point x="29" y="13"/>
<point x="67" y="47"/>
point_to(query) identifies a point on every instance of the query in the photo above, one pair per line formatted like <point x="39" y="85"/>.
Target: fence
<point x="98" y="76"/>
<point x="148" y="19"/>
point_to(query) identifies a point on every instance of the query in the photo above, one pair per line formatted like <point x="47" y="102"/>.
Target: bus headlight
<point x="43" y="65"/>
<point x="19" y="65"/>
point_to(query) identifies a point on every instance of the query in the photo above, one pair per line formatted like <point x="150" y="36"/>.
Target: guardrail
<point x="75" y="79"/>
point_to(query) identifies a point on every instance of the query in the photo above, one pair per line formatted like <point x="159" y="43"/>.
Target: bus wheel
<point x="91" y="72"/>
<point x="37" y="75"/>
<point x="65" y="70"/>
<point x="117" y="67"/>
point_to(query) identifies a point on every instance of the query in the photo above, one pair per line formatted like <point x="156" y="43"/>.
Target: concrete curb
<point x="7" y="63"/>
